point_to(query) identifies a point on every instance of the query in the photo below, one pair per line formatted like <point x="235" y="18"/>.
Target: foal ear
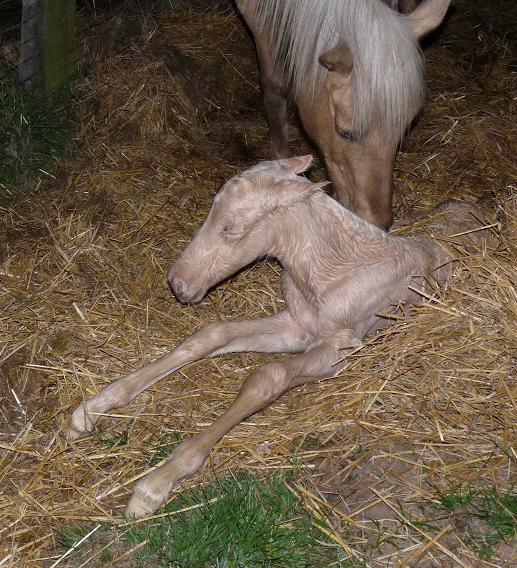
<point x="427" y="16"/>
<point x="298" y="164"/>
<point x="319" y="186"/>
<point x="290" y="192"/>
<point x="338" y="59"/>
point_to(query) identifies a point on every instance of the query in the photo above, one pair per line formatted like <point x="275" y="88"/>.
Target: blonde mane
<point x="387" y="72"/>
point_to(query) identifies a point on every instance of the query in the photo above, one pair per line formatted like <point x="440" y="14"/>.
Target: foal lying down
<point x="339" y="272"/>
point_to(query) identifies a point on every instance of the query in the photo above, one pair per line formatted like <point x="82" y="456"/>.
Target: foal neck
<point x="317" y="241"/>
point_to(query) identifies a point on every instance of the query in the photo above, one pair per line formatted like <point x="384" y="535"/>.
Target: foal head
<point x="240" y="225"/>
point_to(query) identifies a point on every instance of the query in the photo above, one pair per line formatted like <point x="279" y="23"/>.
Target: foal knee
<point x="266" y="384"/>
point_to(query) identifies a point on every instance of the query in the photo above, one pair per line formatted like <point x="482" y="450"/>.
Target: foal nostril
<point x="179" y="287"/>
<point x="186" y="292"/>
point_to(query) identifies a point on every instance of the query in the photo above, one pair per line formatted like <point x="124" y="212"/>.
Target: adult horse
<point x="355" y="70"/>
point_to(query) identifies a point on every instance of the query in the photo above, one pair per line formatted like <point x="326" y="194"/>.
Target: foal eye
<point x="348" y="135"/>
<point x="231" y="232"/>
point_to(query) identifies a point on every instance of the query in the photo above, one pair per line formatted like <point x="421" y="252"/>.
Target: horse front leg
<point x="259" y="390"/>
<point x="274" y="95"/>
<point x="273" y="84"/>
<point x="276" y="333"/>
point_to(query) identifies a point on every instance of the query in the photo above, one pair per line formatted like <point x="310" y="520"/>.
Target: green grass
<point x="243" y="522"/>
<point x="115" y="441"/>
<point x="34" y="133"/>
<point x="496" y="511"/>
<point x="455" y="498"/>
<point x="69" y="536"/>
<point x="235" y="523"/>
<point x="240" y="522"/>
<point x="162" y="449"/>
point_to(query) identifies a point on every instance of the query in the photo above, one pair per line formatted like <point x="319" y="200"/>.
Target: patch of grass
<point x="484" y="551"/>
<point x="162" y="449"/>
<point x="106" y="558"/>
<point x="455" y="498"/>
<point x="69" y="536"/>
<point x="112" y="441"/>
<point x="233" y="523"/>
<point x="496" y="511"/>
<point x="34" y="132"/>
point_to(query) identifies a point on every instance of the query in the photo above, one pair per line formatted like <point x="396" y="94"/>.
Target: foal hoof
<point x="72" y="434"/>
<point x="80" y="424"/>
<point x="141" y="505"/>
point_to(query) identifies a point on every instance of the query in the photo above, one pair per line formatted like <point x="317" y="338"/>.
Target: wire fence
<point x="44" y="43"/>
<point x="38" y="57"/>
<point x="10" y="26"/>
<point x="37" y="42"/>
<point x="39" y="38"/>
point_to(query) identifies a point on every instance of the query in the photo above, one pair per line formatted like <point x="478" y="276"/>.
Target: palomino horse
<point x="340" y="274"/>
<point x="355" y="69"/>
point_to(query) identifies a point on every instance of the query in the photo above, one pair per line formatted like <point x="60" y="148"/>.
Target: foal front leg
<point x="277" y="333"/>
<point x="259" y="390"/>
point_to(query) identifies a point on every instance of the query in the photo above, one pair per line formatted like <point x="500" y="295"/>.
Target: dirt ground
<point x="170" y="109"/>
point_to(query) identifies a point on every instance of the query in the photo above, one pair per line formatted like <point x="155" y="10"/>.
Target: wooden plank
<point x="58" y="43"/>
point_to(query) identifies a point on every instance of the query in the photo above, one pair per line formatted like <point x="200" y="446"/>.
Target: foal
<point x="339" y="272"/>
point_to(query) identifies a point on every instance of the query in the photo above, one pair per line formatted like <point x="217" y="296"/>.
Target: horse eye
<point x="348" y="135"/>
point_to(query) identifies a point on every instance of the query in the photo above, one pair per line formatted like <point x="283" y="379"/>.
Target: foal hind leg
<point x="259" y="390"/>
<point x="277" y="333"/>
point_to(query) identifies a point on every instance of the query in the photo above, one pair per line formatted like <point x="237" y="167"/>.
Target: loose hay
<point x="429" y="402"/>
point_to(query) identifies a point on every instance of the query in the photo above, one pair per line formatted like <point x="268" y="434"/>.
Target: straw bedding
<point x="84" y="299"/>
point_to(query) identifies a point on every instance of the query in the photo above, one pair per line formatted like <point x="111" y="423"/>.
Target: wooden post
<point x="30" y="65"/>
<point x="58" y="43"/>
<point x="47" y="54"/>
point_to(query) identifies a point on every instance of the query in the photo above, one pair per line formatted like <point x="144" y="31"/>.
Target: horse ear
<point x="338" y="59"/>
<point x="298" y="164"/>
<point x="427" y="16"/>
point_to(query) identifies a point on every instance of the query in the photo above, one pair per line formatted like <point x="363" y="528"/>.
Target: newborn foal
<point x="339" y="272"/>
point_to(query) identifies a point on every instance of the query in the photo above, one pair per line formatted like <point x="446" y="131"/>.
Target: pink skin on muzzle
<point x="185" y="293"/>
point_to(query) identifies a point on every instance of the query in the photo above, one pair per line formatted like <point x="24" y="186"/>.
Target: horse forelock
<point x="387" y="72"/>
